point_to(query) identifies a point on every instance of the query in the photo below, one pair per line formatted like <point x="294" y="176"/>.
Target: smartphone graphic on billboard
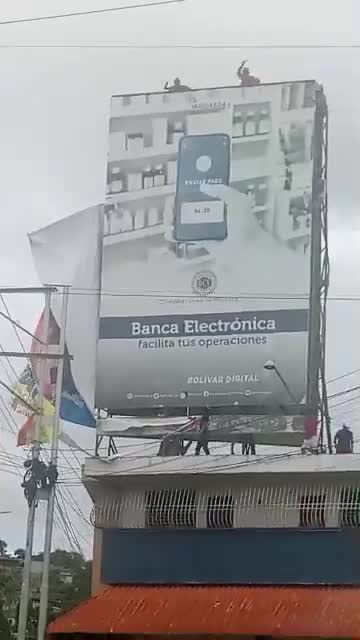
<point x="202" y="160"/>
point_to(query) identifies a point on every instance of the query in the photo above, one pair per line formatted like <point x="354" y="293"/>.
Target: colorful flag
<point x="27" y="433"/>
<point x="38" y="374"/>
<point x="25" y="388"/>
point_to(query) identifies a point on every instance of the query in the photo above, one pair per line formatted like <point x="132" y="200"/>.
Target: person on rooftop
<point x="344" y="440"/>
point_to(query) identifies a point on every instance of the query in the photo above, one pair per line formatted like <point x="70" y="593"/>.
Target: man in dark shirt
<point x="344" y="441"/>
<point x="177" y="86"/>
<point x="202" y="443"/>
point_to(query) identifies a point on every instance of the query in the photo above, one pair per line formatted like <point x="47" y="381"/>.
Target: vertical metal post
<point x="26" y="577"/>
<point x="315" y="354"/>
<point x="44" y="591"/>
<point x="100" y="253"/>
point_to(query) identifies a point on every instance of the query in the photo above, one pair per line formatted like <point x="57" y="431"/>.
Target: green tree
<point x="10" y="585"/>
<point x="3" y="547"/>
<point x="5" y="632"/>
<point x="20" y="554"/>
<point x="67" y="594"/>
<point x="69" y="583"/>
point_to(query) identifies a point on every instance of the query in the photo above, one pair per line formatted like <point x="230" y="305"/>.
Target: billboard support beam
<point x="317" y="393"/>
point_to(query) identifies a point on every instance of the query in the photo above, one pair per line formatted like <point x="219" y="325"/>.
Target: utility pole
<point x="35" y="453"/>
<point x="44" y="590"/>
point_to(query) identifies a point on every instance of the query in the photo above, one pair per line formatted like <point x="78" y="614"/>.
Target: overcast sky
<point x="54" y="119"/>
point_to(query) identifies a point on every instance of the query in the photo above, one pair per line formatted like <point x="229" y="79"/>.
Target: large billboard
<point x="207" y="250"/>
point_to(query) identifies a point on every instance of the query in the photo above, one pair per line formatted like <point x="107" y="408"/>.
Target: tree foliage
<point x="20" y="554"/>
<point x="3" y="547"/>
<point x="69" y="585"/>
<point x="5" y="632"/>
<point x="65" y="564"/>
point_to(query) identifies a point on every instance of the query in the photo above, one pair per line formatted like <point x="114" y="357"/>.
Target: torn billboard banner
<point x="68" y="253"/>
<point x="206" y="272"/>
<point x="266" y="430"/>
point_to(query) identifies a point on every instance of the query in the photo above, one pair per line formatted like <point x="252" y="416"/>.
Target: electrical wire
<point x="200" y="47"/>
<point x="68" y="482"/>
<point x="8" y="417"/>
<point x="70" y="500"/>
<point x="90" y="12"/>
<point x="76" y="508"/>
<point x="12" y="473"/>
<point x="68" y="534"/>
<point x="162" y="462"/>
<point x="344" y="375"/>
<point x="348" y="411"/>
<point x="230" y="296"/>
<point x="10" y="365"/>
<point x="15" y="329"/>
<point x="344" y="392"/>
<point x="231" y="465"/>
<point x="7" y="462"/>
<point x="345" y="402"/>
<point x="72" y="528"/>
<point x="67" y="522"/>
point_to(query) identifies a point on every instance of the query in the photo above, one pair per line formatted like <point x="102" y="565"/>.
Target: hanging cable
<point x="91" y="12"/>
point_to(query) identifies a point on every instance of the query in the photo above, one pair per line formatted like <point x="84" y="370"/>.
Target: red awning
<point x="331" y="612"/>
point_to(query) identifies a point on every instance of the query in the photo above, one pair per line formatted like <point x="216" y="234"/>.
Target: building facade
<point x="223" y="545"/>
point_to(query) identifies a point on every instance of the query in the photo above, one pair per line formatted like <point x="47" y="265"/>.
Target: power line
<point x="230" y="296"/>
<point x="65" y="526"/>
<point x="75" y="507"/>
<point x="89" y="13"/>
<point x="344" y="392"/>
<point x="9" y="418"/>
<point x="10" y="365"/>
<point x="345" y="402"/>
<point x="70" y="500"/>
<point x="8" y="462"/>
<point x="180" y="46"/>
<point x="12" y="324"/>
<point x="12" y="473"/>
<point x="344" y="375"/>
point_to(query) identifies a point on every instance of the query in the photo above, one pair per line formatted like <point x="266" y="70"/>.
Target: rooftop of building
<point x="170" y="611"/>
<point x="292" y="463"/>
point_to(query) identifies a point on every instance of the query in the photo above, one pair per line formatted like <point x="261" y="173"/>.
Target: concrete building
<point x="199" y="546"/>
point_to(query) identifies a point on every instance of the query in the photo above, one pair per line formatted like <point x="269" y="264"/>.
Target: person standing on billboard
<point x="176" y="87"/>
<point x="245" y="77"/>
<point x="344" y="440"/>
<point x="203" y="436"/>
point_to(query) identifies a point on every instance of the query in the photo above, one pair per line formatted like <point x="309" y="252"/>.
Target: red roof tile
<point x="332" y="612"/>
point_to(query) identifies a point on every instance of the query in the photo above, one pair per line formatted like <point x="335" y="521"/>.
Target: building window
<point x="170" y="508"/>
<point x="294" y="96"/>
<point x="220" y="512"/>
<point x="309" y="98"/>
<point x="349" y="507"/>
<point x="312" y="511"/>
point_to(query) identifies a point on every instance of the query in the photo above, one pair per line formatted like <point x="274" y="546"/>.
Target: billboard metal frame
<point x="317" y="401"/>
<point x="316" y="397"/>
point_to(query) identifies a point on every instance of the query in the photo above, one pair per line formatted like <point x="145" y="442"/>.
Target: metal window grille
<point x="303" y="505"/>
<point x="312" y="510"/>
<point x="175" y="508"/>
<point x="220" y="512"/>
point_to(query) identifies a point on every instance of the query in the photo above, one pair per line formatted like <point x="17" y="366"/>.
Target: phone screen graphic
<point x="202" y="160"/>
